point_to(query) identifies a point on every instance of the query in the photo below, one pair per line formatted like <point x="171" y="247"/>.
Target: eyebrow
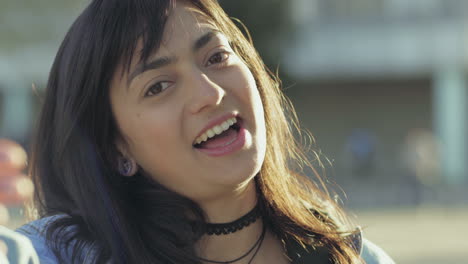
<point x="203" y="40"/>
<point x="164" y="61"/>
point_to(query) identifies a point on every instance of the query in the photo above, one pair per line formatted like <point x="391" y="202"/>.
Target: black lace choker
<point x="255" y="247"/>
<point x="231" y="227"/>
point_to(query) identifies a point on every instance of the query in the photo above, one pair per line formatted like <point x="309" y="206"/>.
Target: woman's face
<point x="194" y="86"/>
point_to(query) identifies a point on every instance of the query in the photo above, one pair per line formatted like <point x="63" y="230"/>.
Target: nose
<point x="205" y="92"/>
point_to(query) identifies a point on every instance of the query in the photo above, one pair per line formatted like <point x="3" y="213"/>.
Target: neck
<point x="231" y="246"/>
<point x="230" y="206"/>
<point x="225" y="210"/>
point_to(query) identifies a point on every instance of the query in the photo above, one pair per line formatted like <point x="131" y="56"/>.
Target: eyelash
<point x="159" y="86"/>
<point x="226" y="55"/>
<point x="222" y="53"/>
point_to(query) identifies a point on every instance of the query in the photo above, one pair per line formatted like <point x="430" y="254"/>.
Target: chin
<point x="239" y="175"/>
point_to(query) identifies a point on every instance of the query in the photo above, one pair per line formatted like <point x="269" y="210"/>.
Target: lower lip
<point x="236" y="145"/>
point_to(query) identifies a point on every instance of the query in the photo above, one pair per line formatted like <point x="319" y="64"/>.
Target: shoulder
<point x="19" y="248"/>
<point x="369" y="252"/>
<point x="36" y="232"/>
<point x="373" y="254"/>
<point x="39" y="226"/>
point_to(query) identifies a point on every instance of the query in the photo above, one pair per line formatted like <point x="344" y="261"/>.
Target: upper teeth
<point x="216" y="130"/>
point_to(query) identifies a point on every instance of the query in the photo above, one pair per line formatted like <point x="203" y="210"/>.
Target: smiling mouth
<point x="214" y="138"/>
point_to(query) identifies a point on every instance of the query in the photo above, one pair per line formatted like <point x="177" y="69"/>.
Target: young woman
<point x="164" y="139"/>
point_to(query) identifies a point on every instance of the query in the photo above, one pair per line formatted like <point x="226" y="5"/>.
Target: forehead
<point x="185" y="24"/>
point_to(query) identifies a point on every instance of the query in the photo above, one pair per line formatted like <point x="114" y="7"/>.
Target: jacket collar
<point x="318" y="255"/>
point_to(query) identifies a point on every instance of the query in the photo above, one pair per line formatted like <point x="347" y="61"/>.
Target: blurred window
<point x="350" y="8"/>
<point x="359" y="9"/>
<point x="425" y="8"/>
<point x="304" y="11"/>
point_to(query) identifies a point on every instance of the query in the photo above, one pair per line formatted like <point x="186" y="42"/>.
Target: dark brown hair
<point x="136" y="220"/>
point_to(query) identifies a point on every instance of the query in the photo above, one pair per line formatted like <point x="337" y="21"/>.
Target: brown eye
<point x="218" y="58"/>
<point x="157" y="88"/>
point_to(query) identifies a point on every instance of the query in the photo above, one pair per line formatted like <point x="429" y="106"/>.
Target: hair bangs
<point x="146" y="29"/>
<point x="135" y="27"/>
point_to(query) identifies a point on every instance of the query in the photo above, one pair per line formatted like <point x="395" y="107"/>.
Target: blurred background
<point x="380" y="84"/>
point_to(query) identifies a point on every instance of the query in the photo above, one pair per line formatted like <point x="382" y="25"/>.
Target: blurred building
<point x="30" y="32"/>
<point x="371" y="76"/>
<point x="386" y="67"/>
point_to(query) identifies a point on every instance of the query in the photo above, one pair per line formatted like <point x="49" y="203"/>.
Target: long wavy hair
<point x="135" y="219"/>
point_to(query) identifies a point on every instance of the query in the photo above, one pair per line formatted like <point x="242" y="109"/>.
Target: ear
<point x="122" y="147"/>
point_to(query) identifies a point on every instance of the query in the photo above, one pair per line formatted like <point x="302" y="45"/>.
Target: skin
<point x="161" y="111"/>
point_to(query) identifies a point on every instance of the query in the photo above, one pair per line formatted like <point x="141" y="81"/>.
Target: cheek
<point x="155" y="140"/>
<point x="153" y="134"/>
<point x="242" y="83"/>
<point x="251" y="95"/>
<point x="153" y="131"/>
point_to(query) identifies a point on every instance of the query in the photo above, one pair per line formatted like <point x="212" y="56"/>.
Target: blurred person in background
<point x="360" y="153"/>
<point x="16" y="248"/>
<point x="15" y="189"/>
<point x="163" y="138"/>
<point x="420" y="158"/>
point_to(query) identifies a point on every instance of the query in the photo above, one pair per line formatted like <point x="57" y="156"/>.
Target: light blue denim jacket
<point x="19" y="248"/>
<point x="371" y="253"/>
